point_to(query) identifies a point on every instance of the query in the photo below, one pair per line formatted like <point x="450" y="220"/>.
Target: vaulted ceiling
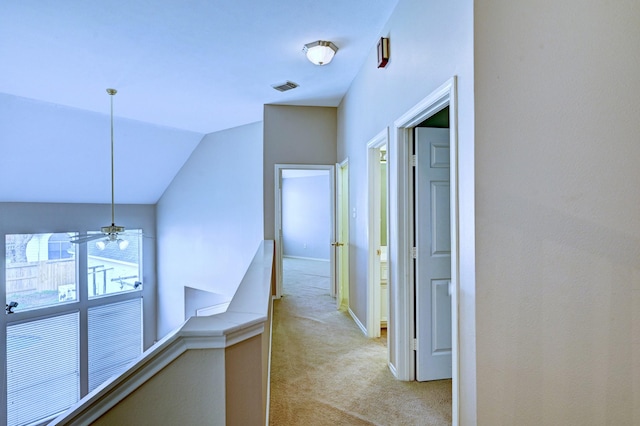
<point x="182" y="69"/>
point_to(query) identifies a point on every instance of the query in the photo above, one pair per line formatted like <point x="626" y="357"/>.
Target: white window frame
<point x="82" y="304"/>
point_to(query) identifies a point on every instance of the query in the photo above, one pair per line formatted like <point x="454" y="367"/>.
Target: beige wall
<point x="185" y="393"/>
<point x="182" y="394"/>
<point x="294" y="135"/>
<point x="246" y="397"/>
<point x="558" y="212"/>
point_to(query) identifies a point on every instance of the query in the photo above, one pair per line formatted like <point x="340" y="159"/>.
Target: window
<point x="43" y="368"/>
<point x="113" y="269"/>
<point x="115" y="339"/>
<point x="34" y="279"/>
<point x="46" y="296"/>
<point x="60" y="247"/>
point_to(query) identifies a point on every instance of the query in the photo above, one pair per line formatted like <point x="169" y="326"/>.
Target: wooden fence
<point x="40" y="276"/>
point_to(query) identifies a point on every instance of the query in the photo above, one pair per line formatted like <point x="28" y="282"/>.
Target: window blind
<point x="114" y="339"/>
<point x="43" y="376"/>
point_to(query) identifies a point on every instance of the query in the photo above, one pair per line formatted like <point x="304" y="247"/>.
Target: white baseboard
<point x="393" y="370"/>
<point x="305" y="258"/>
<point x="358" y="323"/>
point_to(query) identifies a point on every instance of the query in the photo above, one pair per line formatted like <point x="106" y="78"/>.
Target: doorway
<point x="404" y="297"/>
<point x="378" y="266"/>
<point x="341" y="245"/>
<point x="305" y="217"/>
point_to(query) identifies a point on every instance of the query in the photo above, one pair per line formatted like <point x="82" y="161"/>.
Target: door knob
<point x="337" y="244"/>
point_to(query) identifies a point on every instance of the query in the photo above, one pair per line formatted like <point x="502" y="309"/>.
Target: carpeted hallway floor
<point x="324" y="371"/>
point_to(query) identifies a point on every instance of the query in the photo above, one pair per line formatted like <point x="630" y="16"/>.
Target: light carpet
<point x="325" y="371"/>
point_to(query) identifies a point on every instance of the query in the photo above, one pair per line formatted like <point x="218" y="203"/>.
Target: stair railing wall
<point x="212" y="370"/>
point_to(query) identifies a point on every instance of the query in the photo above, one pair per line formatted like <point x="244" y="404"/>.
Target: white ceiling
<point x="182" y="69"/>
<point x="196" y="65"/>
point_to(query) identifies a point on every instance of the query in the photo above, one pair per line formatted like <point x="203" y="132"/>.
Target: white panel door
<point x="433" y="262"/>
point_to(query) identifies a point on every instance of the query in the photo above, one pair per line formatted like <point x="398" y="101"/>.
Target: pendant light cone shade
<point x="320" y="52"/>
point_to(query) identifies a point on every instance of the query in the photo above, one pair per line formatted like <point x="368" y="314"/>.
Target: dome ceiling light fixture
<point x="320" y="52"/>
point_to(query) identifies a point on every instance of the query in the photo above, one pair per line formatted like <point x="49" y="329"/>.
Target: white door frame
<point x="404" y="294"/>
<point x="342" y="232"/>
<point x="373" y="234"/>
<point x="278" y="218"/>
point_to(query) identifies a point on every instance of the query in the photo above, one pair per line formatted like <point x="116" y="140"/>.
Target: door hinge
<point x="414" y="344"/>
<point x="414" y="160"/>
<point x="414" y="252"/>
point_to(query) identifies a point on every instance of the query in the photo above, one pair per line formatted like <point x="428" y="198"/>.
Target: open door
<point x="433" y="254"/>
<point x="403" y="250"/>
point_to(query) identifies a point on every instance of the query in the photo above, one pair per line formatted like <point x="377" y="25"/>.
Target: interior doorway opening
<point x="402" y="248"/>
<point x="378" y="317"/>
<point x="305" y="217"/>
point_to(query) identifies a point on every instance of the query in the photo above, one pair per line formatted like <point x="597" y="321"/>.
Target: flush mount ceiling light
<point x="320" y="52"/>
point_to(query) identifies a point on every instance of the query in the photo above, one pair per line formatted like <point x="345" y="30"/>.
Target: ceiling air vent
<point x="283" y="87"/>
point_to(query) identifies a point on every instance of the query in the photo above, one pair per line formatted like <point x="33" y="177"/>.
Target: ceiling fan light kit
<point x="112" y="232"/>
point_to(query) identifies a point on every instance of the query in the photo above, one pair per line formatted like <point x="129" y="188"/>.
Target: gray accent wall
<point x="294" y="135"/>
<point x="210" y="221"/>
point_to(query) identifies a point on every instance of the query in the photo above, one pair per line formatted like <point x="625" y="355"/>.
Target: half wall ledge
<point x="236" y="347"/>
